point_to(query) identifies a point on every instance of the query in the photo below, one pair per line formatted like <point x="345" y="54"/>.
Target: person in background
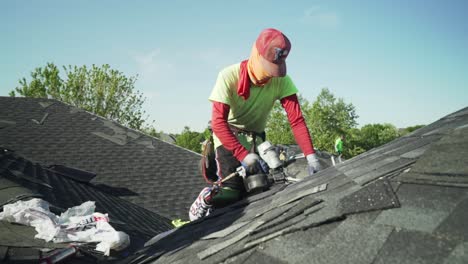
<point x="339" y="147"/>
<point x="242" y="99"/>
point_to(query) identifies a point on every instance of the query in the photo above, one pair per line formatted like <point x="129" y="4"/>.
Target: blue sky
<point x="399" y="62"/>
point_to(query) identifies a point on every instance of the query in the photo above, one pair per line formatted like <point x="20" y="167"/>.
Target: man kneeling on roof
<point x="243" y="97"/>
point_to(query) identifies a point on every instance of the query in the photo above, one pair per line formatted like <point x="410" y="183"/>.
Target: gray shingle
<point x="423" y="207"/>
<point x="414" y="247"/>
<point x="378" y="195"/>
<point x="159" y="176"/>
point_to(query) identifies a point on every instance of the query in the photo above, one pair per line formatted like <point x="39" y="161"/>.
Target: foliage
<point x="278" y="130"/>
<point x="100" y="90"/>
<point x="190" y="139"/>
<point x="328" y="118"/>
<point x="352" y="143"/>
<point x="151" y="131"/>
<point x="409" y="129"/>
<point x="374" y="135"/>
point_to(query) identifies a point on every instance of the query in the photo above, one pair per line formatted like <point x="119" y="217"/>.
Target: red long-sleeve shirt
<point x="290" y="103"/>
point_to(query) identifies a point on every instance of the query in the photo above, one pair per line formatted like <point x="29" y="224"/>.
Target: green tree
<point x="100" y="90"/>
<point x="278" y="129"/>
<point x="374" y="135"/>
<point x="409" y="129"/>
<point x="352" y="143"/>
<point x="190" y="139"/>
<point x="328" y="118"/>
<point x="151" y="131"/>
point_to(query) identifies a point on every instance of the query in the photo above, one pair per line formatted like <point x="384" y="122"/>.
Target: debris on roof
<point x="79" y="224"/>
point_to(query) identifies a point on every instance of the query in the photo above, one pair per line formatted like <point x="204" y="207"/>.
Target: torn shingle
<point x="41" y="122"/>
<point x="378" y="195"/>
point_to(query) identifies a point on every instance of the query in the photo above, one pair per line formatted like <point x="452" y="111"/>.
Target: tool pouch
<point x="208" y="166"/>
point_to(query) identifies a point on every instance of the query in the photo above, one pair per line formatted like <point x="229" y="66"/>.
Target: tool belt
<point x="208" y="165"/>
<point x="254" y="135"/>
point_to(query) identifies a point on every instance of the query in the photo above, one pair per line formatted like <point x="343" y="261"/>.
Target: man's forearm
<point x="221" y="129"/>
<point x="298" y="125"/>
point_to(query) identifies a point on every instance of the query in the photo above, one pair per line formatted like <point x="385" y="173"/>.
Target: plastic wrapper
<point x="77" y="224"/>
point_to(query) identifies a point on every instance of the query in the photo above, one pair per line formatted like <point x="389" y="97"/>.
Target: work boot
<point x="202" y="207"/>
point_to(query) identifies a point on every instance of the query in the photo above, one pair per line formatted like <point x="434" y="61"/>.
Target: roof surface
<point x="146" y="171"/>
<point x="20" y="179"/>
<point x="404" y="202"/>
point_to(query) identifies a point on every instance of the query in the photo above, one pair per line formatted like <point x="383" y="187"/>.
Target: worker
<point x="339" y="147"/>
<point x="242" y="99"/>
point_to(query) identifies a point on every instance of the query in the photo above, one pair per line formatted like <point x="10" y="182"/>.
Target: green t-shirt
<point x="250" y="114"/>
<point x="339" y="145"/>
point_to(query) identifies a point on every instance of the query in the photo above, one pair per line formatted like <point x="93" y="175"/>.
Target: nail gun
<point x="276" y="174"/>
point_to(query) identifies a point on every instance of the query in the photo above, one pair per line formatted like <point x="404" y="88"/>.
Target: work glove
<point x="253" y="164"/>
<point x="313" y="164"/>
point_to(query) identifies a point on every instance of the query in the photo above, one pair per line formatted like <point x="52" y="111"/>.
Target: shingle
<point x="458" y="113"/>
<point x="459" y="255"/>
<point x="444" y="163"/>
<point x="258" y="257"/>
<point x="226" y="231"/>
<point x="455" y="225"/>
<point x="414" y="247"/>
<point x="355" y="244"/>
<point x="415" y="153"/>
<point x="423" y="207"/>
<point x="284" y="223"/>
<point x="442" y="126"/>
<point x="446" y="157"/>
<point x="6" y="123"/>
<point x="434" y="179"/>
<point x="291" y="212"/>
<point x="374" y="196"/>
<point x="265" y="216"/>
<point x="366" y="218"/>
<point x="220" y="246"/>
<point x="15" y="235"/>
<point x="3" y="253"/>
<point x="365" y="174"/>
<point x="240" y="258"/>
<point x="294" y="246"/>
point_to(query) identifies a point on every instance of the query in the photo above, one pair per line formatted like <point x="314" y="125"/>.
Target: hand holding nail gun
<point x="259" y="172"/>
